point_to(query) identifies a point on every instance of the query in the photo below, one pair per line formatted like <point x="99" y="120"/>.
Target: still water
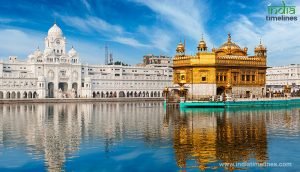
<point x="146" y="137"/>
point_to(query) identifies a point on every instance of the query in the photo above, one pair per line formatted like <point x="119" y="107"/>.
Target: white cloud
<point x="11" y="20"/>
<point x="158" y="38"/>
<point x="129" y="41"/>
<point x="76" y="23"/>
<point x="97" y="25"/>
<point x="161" y="40"/>
<point x="281" y="38"/>
<point x="233" y="4"/>
<point x="186" y="16"/>
<point x="88" y="52"/>
<point x="19" y="43"/>
<point x="92" y="24"/>
<point x="6" y="20"/>
<point x="86" y="4"/>
<point x="23" y="42"/>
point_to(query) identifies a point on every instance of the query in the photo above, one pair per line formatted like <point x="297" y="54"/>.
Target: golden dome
<point x="260" y="47"/>
<point x="202" y="45"/>
<point x="230" y="48"/>
<point x="229" y="45"/>
<point x="180" y="48"/>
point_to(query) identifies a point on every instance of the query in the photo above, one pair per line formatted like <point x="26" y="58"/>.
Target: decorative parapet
<point x="240" y="60"/>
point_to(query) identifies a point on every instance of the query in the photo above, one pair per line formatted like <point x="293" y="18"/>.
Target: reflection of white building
<point x="278" y="77"/>
<point x="55" y="132"/>
<point x="54" y="72"/>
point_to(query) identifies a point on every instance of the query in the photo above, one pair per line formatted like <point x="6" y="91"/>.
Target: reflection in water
<point x="208" y="137"/>
<point x="199" y="138"/>
<point x="241" y="136"/>
<point x="55" y="131"/>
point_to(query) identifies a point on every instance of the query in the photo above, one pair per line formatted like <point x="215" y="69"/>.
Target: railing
<point x="260" y="99"/>
<point x="222" y="98"/>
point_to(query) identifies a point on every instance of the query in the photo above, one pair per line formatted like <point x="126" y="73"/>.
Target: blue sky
<point x="133" y="28"/>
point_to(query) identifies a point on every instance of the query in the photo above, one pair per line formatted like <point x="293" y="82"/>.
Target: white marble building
<point x="278" y="77"/>
<point x="56" y="73"/>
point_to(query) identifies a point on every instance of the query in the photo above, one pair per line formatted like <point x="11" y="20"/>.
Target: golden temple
<point x="225" y="68"/>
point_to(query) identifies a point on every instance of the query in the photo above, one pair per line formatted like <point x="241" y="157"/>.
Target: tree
<point x="118" y="63"/>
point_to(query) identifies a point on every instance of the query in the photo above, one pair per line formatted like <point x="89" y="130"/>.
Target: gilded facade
<point x="225" y="68"/>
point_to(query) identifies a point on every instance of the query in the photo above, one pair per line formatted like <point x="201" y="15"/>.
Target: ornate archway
<point x="220" y="90"/>
<point x="50" y="90"/>
<point x="121" y="94"/>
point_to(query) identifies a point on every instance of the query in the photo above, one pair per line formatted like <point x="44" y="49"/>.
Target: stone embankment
<point x="77" y="100"/>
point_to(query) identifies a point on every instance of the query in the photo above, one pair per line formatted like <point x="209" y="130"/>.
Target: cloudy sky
<point x="133" y="28"/>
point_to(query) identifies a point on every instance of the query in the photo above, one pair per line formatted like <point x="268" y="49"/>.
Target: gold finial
<point x="260" y="41"/>
<point x="229" y="37"/>
<point x="202" y="37"/>
<point x="180" y="41"/>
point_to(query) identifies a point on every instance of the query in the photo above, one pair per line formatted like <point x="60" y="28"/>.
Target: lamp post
<point x="181" y="83"/>
<point x="287" y="91"/>
<point x="166" y="93"/>
<point x="228" y="92"/>
<point x="182" y="93"/>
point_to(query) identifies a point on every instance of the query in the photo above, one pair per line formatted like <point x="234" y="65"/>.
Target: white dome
<point x="55" y="31"/>
<point x="72" y="52"/>
<point x="48" y="51"/>
<point x="31" y="56"/>
<point x="38" y="52"/>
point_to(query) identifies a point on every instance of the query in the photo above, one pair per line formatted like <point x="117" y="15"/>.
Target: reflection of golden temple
<point x="210" y="138"/>
<point x="207" y="73"/>
<point x="287" y="90"/>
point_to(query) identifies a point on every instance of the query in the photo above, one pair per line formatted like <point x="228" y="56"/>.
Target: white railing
<point x="262" y="99"/>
